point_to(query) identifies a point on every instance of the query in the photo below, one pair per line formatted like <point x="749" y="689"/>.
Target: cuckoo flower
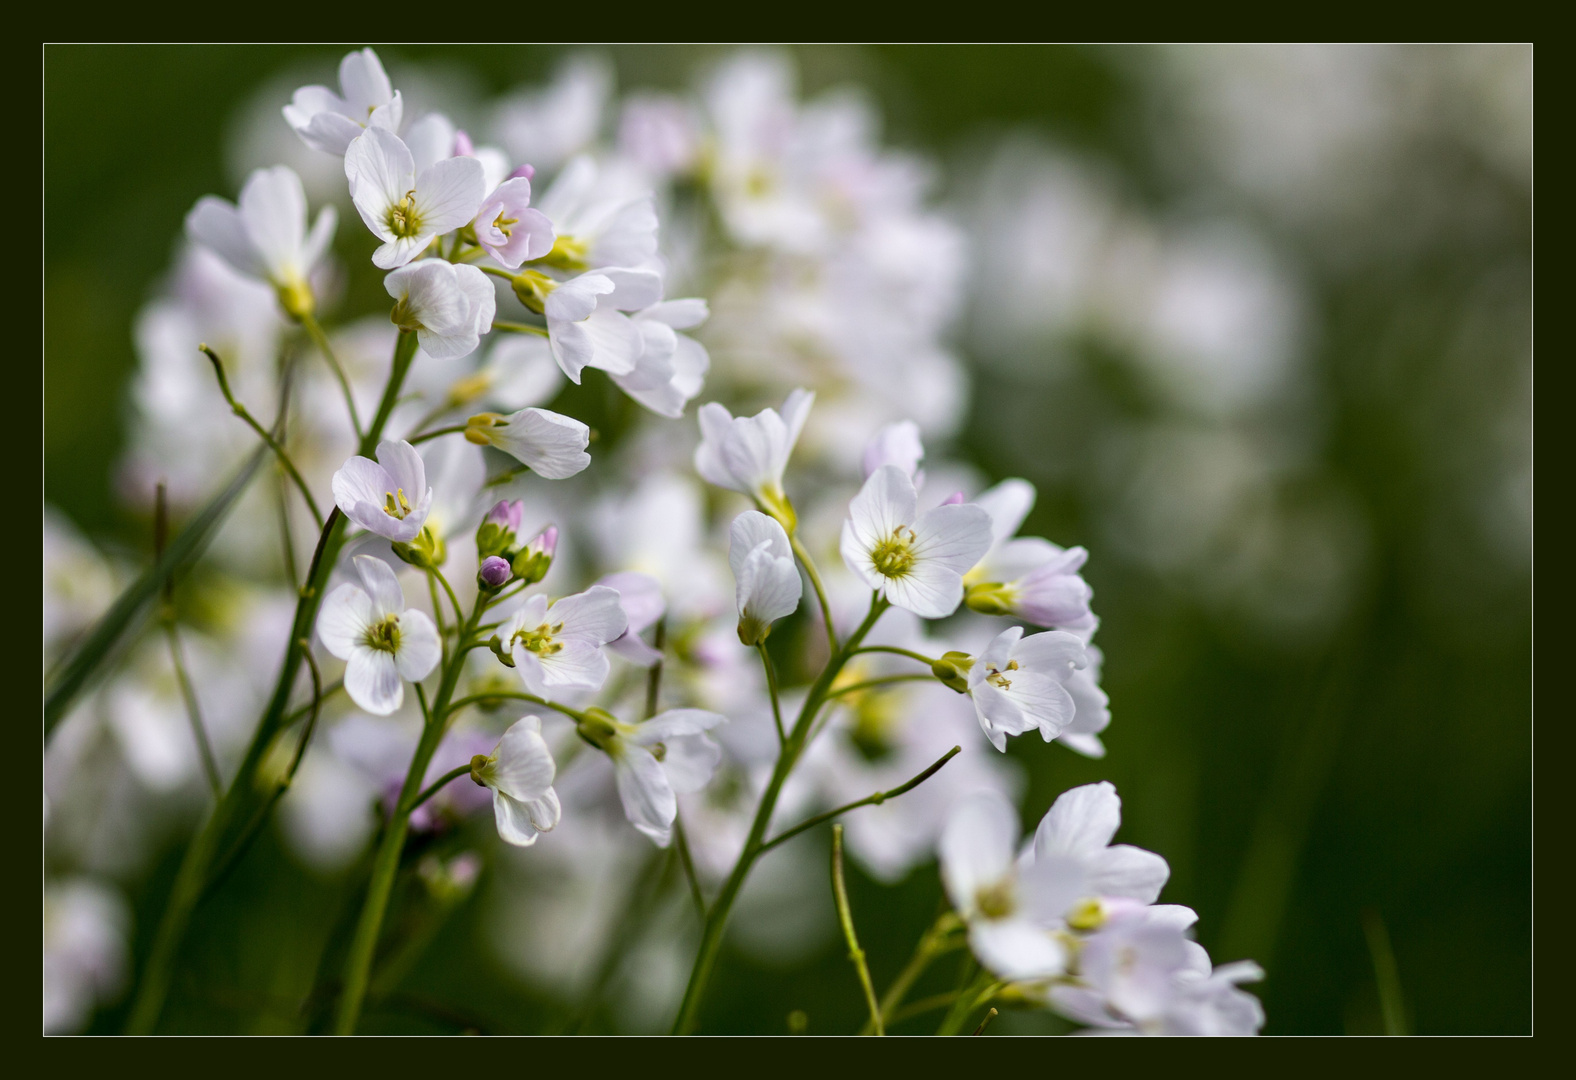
<point x="1012" y="906"/>
<point x="749" y="454"/>
<point x="265" y="235"/>
<point x="449" y="307"/>
<point x="768" y="585"/>
<point x="916" y="560"/>
<point x="331" y="122"/>
<point x="1018" y="684"/>
<point x="640" y="595"/>
<point x="1027" y="577"/>
<point x="380" y="640"/>
<point x="586" y="321"/>
<point x="403" y="209"/>
<point x="508" y="228"/>
<point x="562" y="645"/>
<point x="1078" y="829"/>
<point x="672" y="366"/>
<point x="388" y="496"/>
<point x="898" y="445"/>
<point x="553" y="445"/>
<point x="597" y="224"/>
<point x="519" y="772"/>
<point x="668" y="754"/>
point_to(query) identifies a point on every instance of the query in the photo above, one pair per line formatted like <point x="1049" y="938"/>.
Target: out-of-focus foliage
<point x="1256" y="321"/>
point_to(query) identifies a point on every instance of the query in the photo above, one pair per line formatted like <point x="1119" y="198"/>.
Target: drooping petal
<point x="643" y="788"/>
<point x="513" y="819"/>
<point x="343" y="620"/>
<point x="372" y="681"/>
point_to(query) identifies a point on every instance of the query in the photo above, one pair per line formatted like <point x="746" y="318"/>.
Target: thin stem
<point x="516" y="695"/>
<point x="1386" y="975"/>
<point x="910" y="653"/>
<point x="193" y="712"/>
<point x="820" y="590"/>
<point x="846" y="917"/>
<point x="438" y="784"/>
<point x="771" y="685"/>
<point x="659" y="638"/>
<point x="980" y="991"/>
<point x="286" y="538"/>
<point x="869" y="800"/>
<point x="937" y="941"/>
<point x="188" y="886"/>
<point x="681" y="842"/>
<point x="495" y="271"/>
<point x="988" y="1018"/>
<point x="437" y="617"/>
<point x="507" y="475"/>
<point x="519" y="328"/>
<point x="459" y="612"/>
<point x="273" y="444"/>
<point x="320" y="339"/>
<point x="922" y="1006"/>
<point x="453" y="429"/>
<point x="853" y="688"/>
<point x="717" y="915"/>
<point x="311" y="707"/>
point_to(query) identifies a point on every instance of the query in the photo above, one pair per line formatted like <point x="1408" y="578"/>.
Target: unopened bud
<point x="990" y="598"/>
<point x="495" y="573"/>
<point x="427" y="551"/>
<point x="526" y="171"/>
<point x="476" y="428"/>
<point x="463" y="146"/>
<point x="536" y="558"/>
<point x="952" y="669"/>
<point x="597" y="727"/>
<point x="952" y="500"/>
<point x="496" y="534"/>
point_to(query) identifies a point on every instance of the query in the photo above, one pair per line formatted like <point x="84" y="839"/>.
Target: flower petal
<point x="372" y="681"/>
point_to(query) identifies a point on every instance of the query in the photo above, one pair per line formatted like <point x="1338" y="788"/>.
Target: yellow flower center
<point x="894" y="556"/>
<point x="996" y="677"/>
<point x="383" y="636"/>
<point x="542" y="641"/>
<point x="502" y="224"/>
<point x="396" y="505"/>
<point x="403" y="220"/>
<point x="996" y="901"/>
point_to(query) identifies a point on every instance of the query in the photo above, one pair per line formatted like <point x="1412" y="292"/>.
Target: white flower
<point x="553" y="445"/>
<point x="448" y="306"/>
<point x="916" y="560"/>
<point x="265" y="235"/>
<point x="597" y="223"/>
<point x="406" y="210"/>
<point x="667" y="755"/>
<point x="1092" y="707"/>
<point x="520" y="773"/>
<point x="378" y="495"/>
<point x="768" y="585"/>
<point x="380" y="640"/>
<point x="1027" y="577"/>
<point x="1012" y="906"/>
<point x="1079" y="827"/>
<point x="1142" y="973"/>
<point x="331" y="122"/>
<point x="749" y="454"/>
<point x="897" y="445"/>
<point x="1019" y="684"/>
<point x="561" y="645"/>
<point x="507" y="227"/>
<point x="586" y="324"/>
<point x="672" y="366"/>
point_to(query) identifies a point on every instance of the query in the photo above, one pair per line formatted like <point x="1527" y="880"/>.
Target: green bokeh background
<point x="1385" y="768"/>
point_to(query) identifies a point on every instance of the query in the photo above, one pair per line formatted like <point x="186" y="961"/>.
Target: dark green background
<point x="1383" y="767"/>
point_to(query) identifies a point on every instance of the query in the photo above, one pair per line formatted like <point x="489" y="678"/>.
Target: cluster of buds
<point x="503" y="558"/>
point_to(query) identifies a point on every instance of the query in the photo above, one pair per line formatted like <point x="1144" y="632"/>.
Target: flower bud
<point x="531" y="288"/>
<point x="953" y="500"/>
<point x="494" y="574"/>
<point x="526" y="171"/>
<point x="990" y="598"/>
<point x="952" y="669"/>
<point x="536" y="558"/>
<point x="495" y="643"/>
<point x="463" y="147"/>
<point x="496" y="534"/>
<point x="597" y="727"/>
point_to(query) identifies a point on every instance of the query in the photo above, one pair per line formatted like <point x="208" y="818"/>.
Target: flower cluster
<point x="614" y="658"/>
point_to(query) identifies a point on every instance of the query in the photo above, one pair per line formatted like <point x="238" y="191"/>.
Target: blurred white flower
<point x="766" y="578"/>
<point x="519" y="772"/>
<point x="265" y="235"/>
<point x="404" y="209"/>
<point x="381" y="641"/>
<point x="749" y="454"/>
<point x="331" y="122"/>
<point x="86" y="926"/>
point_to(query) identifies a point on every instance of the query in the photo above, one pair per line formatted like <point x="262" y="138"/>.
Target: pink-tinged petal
<point x="404" y="466"/>
<point x="372" y="681"/>
<point x="343" y="620"/>
<point x="640" y="595"/>
<point x="1081" y="821"/>
<point x="420" y="648"/>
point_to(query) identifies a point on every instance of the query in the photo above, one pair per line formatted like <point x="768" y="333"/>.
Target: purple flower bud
<point x="952" y="500"/>
<point x="507" y="514"/>
<point x="527" y="171"/>
<point x="534" y="560"/>
<point x="494" y="573"/>
<point x="462" y="145"/>
<point x="545" y="542"/>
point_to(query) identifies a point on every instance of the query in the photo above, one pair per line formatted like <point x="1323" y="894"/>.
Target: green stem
<point x="845" y="916"/>
<point x="385" y="864"/>
<point x="885" y="680"/>
<point x="910" y="653"/>
<point x="681" y="842"/>
<point x="273" y="444"/>
<point x="315" y="332"/>
<point x="190" y="879"/>
<point x="519" y="328"/>
<point x="980" y="991"/>
<point x="936" y="941"/>
<point x="771" y="685"/>
<point x="516" y="695"/>
<point x="869" y="800"/>
<point x="438" y="784"/>
<point x="820" y="590"/>
<point x="435" y="432"/>
<point x="193" y="712"/>
<point x="717" y="916"/>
